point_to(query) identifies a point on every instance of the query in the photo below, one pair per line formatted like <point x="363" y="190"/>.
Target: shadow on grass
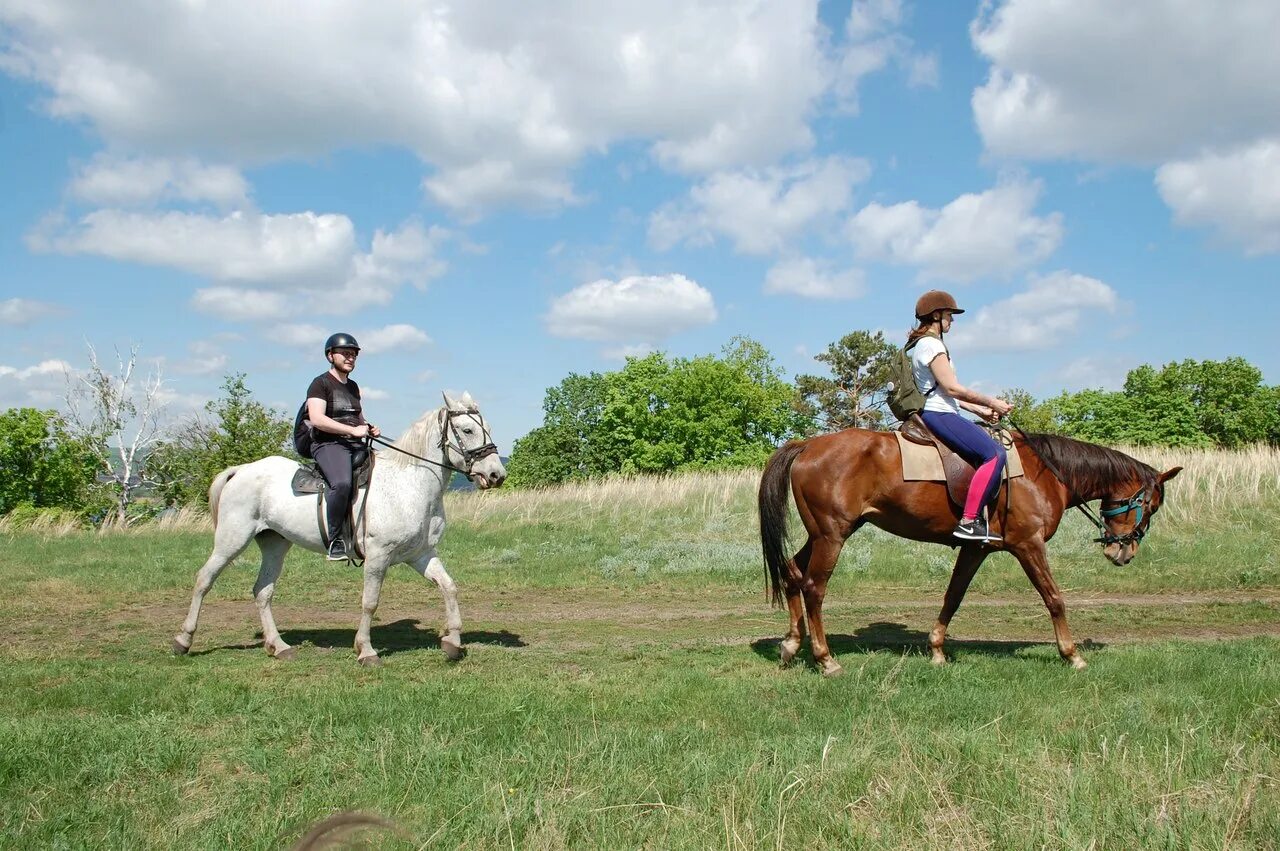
<point x="388" y="639"/>
<point x="897" y="637"/>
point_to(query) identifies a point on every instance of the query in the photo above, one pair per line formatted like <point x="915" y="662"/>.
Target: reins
<point x="1106" y="536"/>
<point x="471" y="456"/>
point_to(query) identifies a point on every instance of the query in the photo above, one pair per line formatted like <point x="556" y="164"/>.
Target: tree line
<point x="657" y="414"/>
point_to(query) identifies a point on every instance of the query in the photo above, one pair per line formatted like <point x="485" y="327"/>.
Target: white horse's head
<point x="467" y="443"/>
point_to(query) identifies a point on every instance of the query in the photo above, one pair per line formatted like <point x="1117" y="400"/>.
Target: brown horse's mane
<point x="1089" y="469"/>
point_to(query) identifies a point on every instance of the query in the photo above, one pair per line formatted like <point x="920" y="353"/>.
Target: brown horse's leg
<point x="967" y="563"/>
<point x="793" y="583"/>
<point x="1035" y="563"/>
<point x="822" y="561"/>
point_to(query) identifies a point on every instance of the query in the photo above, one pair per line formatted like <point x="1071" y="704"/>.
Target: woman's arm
<point x="315" y="413"/>
<point x="945" y="374"/>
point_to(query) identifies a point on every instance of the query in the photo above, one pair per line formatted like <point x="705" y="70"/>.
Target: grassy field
<point x="622" y="691"/>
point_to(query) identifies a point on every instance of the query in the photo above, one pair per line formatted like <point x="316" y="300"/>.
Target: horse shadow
<point x="898" y="638"/>
<point x="389" y="638"/>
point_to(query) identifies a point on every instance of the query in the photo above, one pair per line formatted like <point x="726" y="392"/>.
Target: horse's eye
<point x="468" y="430"/>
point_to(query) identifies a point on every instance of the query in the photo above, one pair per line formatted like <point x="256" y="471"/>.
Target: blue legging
<point x="970" y="442"/>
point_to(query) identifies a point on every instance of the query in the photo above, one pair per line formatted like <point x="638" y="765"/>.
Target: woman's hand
<point x="1001" y="408"/>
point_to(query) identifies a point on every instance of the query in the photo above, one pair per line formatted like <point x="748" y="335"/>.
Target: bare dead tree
<point x="118" y="419"/>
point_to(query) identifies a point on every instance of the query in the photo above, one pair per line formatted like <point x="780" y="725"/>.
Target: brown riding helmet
<point x="935" y="300"/>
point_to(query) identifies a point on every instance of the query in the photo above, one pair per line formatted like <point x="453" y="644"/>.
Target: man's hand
<point x="374" y="431"/>
<point x="360" y="432"/>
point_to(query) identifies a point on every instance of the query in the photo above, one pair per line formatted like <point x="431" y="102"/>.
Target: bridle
<point x="1106" y="537"/>
<point x="1137" y="502"/>
<point x="451" y="440"/>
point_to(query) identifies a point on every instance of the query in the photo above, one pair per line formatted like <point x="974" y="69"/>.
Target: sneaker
<point x="974" y="530"/>
<point x="337" y="550"/>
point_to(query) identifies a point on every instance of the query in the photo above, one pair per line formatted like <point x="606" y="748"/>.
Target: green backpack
<point x="905" y="397"/>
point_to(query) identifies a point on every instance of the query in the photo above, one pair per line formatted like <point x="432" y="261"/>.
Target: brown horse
<point x="848" y="478"/>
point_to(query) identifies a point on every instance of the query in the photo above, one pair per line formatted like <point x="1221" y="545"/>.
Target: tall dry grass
<point x="1213" y="482"/>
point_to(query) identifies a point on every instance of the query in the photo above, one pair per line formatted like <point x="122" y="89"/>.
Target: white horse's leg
<point x="432" y="568"/>
<point x="274" y="548"/>
<point x="374" y="573"/>
<point x="226" y="546"/>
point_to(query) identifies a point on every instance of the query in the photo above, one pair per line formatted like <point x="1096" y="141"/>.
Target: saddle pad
<point x="923" y="464"/>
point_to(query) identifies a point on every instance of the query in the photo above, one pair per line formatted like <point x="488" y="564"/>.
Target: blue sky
<point x="491" y="200"/>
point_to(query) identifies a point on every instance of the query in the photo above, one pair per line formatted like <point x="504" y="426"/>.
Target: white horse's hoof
<point x="452" y="652"/>
<point x="180" y="649"/>
<point x="286" y="654"/>
<point x="374" y="661"/>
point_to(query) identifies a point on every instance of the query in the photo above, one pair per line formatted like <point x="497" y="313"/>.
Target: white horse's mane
<point x="416" y="439"/>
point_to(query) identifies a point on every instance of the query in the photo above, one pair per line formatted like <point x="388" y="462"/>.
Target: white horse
<point x="403" y="519"/>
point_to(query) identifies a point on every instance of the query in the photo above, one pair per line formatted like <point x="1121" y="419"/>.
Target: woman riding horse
<point x="944" y="396"/>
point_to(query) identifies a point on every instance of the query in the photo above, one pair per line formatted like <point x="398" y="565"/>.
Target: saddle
<point x="957" y="471"/>
<point x="308" y="479"/>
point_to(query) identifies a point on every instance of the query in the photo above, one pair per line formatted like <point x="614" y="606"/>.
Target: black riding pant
<point x="335" y="461"/>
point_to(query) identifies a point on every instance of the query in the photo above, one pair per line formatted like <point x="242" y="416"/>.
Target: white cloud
<point x="1106" y="372"/>
<point x="632" y="310"/>
<point x="993" y="233"/>
<point x="760" y="210"/>
<point x="392" y="337"/>
<point x="267" y="266"/>
<point x="1140" y="81"/>
<point x="1048" y="312"/>
<point x="372" y="340"/>
<point x="300" y="336"/>
<point x="245" y="305"/>
<point x="1238" y="193"/>
<point x="872" y="42"/>
<point x="242" y="246"/>
<point x="41" y="386"/>
<point x="119" y="181"/>
<point x="804" y="277"/>
<point x="465" y="86"/>
<point x="24" y="311"/>
<point x="373" y="394"/>
<point x="635" y="350"/>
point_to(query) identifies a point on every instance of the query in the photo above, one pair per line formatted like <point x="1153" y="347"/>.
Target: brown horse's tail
<point x="775" y="486"/>
<point x="215" y="491"/>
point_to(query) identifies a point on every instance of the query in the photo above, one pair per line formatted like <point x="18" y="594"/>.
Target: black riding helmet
<point x="340" y="341"/>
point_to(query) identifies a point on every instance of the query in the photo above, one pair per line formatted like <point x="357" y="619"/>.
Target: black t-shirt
<point x="341" y="403"/>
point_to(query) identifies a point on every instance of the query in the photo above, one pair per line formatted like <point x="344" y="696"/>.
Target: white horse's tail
<point x="215" y="491"/>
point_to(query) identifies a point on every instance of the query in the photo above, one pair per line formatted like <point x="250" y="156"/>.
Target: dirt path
<point x="532" y="619"/>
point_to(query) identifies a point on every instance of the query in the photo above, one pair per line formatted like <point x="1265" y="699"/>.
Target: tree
<point x="237" y="430"/>
<point x="854" y="394"/>
<point x="1192" y="403"/>
<point x="1030" y="415"/>
<point x="117" y="421"/>
<point x="43" y="464"/>
<point x="660" y="414"/>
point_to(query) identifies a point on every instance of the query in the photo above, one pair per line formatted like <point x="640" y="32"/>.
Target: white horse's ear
<point x="449" y="401"/>
<point x="467" y="400"/>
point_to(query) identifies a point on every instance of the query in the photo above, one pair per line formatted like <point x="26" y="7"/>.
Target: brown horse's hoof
<point x="938" y="658"/>
<point x="179" y="649"/>
<point x="831" y="668"/>
<point x="788" y="655"/>
<point x="286" y="654"/>
<point x="374" y="661"/>
<point x="1078" y="662"/>
<point x="452" y="652"/>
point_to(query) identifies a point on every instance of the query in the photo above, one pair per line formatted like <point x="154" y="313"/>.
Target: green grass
<point x="622" y="690"/>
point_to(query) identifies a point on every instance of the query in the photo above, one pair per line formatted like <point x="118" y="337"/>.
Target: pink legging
<point x="978" y="488"/>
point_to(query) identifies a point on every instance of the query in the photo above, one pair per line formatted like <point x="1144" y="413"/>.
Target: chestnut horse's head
<point x="1127" y="518"/>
